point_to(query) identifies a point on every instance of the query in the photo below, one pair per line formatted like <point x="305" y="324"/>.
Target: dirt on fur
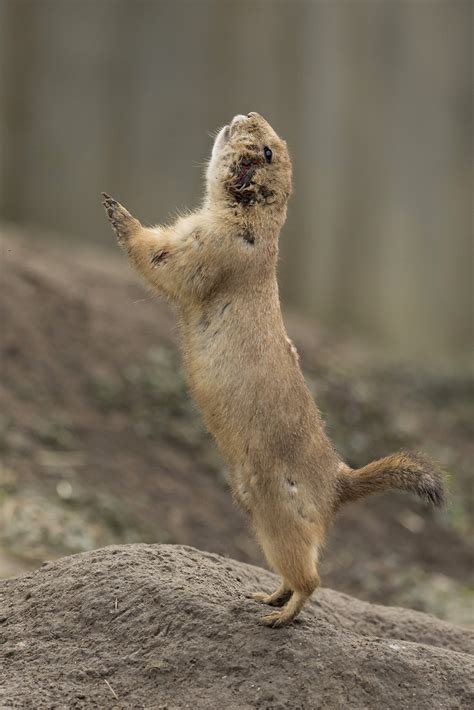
<point x="100" y="442"/>
<point x="161" y="626"/>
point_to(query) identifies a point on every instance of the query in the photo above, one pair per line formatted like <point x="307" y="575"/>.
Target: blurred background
<point x="99" y="440"/>
<point x="372" y="96"/>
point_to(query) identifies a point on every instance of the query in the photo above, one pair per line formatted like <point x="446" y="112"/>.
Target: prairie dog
<point x="218" y="266"/>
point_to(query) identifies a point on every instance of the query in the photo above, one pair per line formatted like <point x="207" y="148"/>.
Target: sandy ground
<point x="162" y="626"/>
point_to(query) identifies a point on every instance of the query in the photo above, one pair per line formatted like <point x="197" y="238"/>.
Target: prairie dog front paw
<point x="123" y="224"/>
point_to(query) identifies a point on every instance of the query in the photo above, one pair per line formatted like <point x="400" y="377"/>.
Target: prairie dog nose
<point x="253" y="114"/>
<point x="236" y="122"/>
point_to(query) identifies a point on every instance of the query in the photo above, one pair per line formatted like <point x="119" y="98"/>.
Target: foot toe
<point x="272" y="620"/>
<point x="259" y="597"/>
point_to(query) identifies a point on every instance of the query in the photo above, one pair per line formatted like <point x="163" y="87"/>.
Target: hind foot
<point x="276" y="619"/>
<point x="278" y="598"/>
<point x="291" y="610"/>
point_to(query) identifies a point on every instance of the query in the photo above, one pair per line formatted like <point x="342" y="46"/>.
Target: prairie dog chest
<point x="218" y="352"/>
<point x="226" y="359"/>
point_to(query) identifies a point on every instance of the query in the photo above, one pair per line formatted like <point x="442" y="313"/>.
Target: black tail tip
<point x="434" y="494"/>
<point x="432" y="484"/>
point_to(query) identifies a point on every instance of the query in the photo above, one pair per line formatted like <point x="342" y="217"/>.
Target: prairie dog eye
<point x="268" y="154"/>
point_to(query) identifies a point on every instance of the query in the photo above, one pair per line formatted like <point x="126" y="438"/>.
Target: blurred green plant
<point x="156" y="398"/>
<point x="36" y="525"/>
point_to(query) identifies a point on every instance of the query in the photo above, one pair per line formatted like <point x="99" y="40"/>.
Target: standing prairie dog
<point x="218" y="266"/>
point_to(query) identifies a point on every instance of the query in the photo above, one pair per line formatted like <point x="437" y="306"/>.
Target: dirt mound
<point x="166" y="626"/>
<point x="100" y="442"/>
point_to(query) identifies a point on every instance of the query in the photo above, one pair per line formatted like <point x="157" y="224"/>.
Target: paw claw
<point x="121" y="220"/>
<point x="258" y="596"/>
<point x="273" y="620"/>
<point x="278" y="598"/>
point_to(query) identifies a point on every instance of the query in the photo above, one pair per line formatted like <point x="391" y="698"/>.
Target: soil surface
<point x="165" y="626"/>
<point x="100" y="442"/>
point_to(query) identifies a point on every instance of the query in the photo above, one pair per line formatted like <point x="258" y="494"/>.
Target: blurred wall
<point x="373" y="97"/>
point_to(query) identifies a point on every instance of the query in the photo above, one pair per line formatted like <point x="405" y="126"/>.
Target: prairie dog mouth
<point x="228" y="131"/>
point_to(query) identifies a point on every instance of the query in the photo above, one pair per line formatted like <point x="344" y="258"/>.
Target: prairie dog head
<point x="249" y="165"/>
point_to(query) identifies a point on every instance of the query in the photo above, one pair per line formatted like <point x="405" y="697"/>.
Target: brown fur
<point x="218" y="266"/>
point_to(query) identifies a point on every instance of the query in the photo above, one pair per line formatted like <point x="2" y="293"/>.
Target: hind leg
<point x="291" y="610"/>
<point x="295" y="560"/>
<point x="278" y="598"/>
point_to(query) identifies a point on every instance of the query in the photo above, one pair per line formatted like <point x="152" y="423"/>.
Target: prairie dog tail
<point x="405" y="471"/>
